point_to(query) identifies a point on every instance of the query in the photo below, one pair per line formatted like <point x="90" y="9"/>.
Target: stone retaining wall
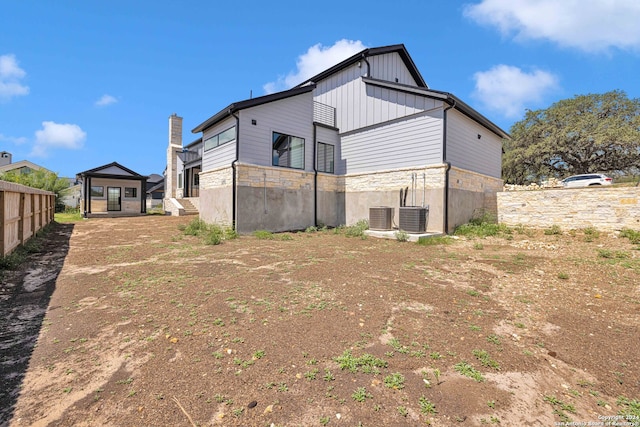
<point x="604" y="208"/>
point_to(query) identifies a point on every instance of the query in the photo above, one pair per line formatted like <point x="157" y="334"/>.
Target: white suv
<point x="586" y="180"/>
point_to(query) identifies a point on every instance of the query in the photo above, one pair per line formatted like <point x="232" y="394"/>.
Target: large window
<point x="288" y="151"/>
<point x="97" y="191"/>
<point x="220" y="139"/>
<point x="325" y="157"/>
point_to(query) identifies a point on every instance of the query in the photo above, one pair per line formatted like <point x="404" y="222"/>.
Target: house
<point x="155" y="190"/>
<point x="22" y="166"/>
<point x="364" y="133"/>
<point x="112" y="190"/>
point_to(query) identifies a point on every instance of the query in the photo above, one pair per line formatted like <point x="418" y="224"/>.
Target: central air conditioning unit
<point x="413" y="219"/>
<point x="381" y="218"/>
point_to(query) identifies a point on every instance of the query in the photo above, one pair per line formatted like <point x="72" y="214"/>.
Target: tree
<point x="585" y="134"/>
<point x="43" y="180"/>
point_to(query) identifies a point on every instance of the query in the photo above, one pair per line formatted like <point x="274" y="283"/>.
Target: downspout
<point x="315" y="176"/>
<point x="446" y="162"/>
<point x="364" y="58"/>
<point x="234" y="196"/>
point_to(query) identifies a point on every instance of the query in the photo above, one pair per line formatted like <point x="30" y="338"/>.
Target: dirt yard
<point x="138" y="324"/>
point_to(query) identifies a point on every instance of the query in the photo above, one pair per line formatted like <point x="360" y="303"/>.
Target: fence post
<point x="3" y="223"/>
<point x="21" y="213"/>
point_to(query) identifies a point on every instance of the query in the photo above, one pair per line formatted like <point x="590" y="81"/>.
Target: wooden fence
<point x="23" y="212"/>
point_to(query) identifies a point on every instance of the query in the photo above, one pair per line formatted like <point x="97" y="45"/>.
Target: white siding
<point x="390" y="67"/>
<point x="220" y="156"/>
<point x="414" y="141"/>
<point x="466" y="151"/>
<point x="358" y="105"/>
<point x="292" y="116"/>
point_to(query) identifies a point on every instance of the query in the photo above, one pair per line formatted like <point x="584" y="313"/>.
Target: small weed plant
<point x="553" y="230"/>
<point x="357" y="229"/>
<point x="211" y="234"/>
<point x="483" y="225"/>
<point x="361" y="394"/>
<point x="366" y="363"/>
<point x="426" y="406"/>
<point x="434" y="241"/>
<point x="463" y="368"/>
<point x="402" y="236"/>
<point x="394" y="381"/>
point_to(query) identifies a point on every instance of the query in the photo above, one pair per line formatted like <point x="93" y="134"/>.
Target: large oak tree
<point x="585" y="134"/>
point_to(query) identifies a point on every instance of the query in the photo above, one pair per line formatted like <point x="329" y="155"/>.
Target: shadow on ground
<point x="24" y="298"/>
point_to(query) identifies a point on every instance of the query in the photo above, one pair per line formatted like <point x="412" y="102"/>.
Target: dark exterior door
<point x="113" y="199"/>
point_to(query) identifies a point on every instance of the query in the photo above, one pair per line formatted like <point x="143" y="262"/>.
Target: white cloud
<point x="508" y="90"/>
<point x="57" y="135"/>
<point x="317" y="59"/>
<point x="12" y="139"/>
<point x="105" y="100"/>
<point x="10" y="76"/>
<point x="588" y="25"/>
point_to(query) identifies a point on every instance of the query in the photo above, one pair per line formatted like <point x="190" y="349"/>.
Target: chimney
<point x="5" y="158"/>
<point x="175" y="145"/>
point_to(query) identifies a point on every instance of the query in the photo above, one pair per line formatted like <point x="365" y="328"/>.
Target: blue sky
<point x="86" y="83"/>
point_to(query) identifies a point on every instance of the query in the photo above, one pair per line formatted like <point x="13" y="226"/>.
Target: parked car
<point x="586" y="180"/>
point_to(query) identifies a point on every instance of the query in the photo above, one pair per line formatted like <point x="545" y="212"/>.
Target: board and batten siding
<point x="414" y="141"/>
<point x="356" y="105"/>
<point x="466" y="151"/>
<point x="223" y="155"/>
<point x="291" y="116"/>
<point x="390" y="67"/>
<point x="330" y="136"/>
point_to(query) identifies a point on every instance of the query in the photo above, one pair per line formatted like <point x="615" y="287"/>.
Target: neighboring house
<point x="22" y="166"/>
<point x="70" y="197"/>
<point x="112" y="190"/>
<point x="155" y="190"/>
<point x="346" y="140"/>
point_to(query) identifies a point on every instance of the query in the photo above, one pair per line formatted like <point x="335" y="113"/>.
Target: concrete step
<point x="189" y="209"/>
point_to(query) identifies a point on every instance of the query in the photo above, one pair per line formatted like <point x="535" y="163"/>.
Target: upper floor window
<point x="325" y="157"/>
<point x="220" y="139"/>
<point x="288" y="151"/>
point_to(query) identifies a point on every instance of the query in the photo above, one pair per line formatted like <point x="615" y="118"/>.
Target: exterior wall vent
<point x="413" y="219"/>
<point x="380" y="218"/>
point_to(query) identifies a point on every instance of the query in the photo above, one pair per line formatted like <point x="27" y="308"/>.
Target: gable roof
<point x="22" y="164"/>
<point x="396" y="48"/>
<point x="247" y="103"/>
<point x="447" y="97"/>
<point x="112" y="170"/>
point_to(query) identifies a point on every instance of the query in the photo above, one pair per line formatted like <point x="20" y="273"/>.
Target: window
<point x="130" y="192"/>
<point x="288" y="151"/>
<point x="325" y="157"/>
<point x="97" y="191"/>
<point x="179" y="180"/>
<point x="220" y="139"/>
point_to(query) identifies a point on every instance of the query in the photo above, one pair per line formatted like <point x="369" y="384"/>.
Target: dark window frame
<point x="134" y="190"/>
<point x="322" y="155"/>
<point x="95" y="193"/>
<point x="214" y="140"/>
<point x="281" y="144"/>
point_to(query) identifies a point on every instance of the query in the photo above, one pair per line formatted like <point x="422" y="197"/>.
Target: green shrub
<point x="632" y="235"/>
<point x="358" y="229"/>
<point x="263" y="234"/>
<point x="402" y="236"/>
<point x="436" y="240"/>
<point x="554" y="230"/>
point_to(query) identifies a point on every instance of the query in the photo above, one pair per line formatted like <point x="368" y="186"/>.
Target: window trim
<point x="290" y="137"/>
